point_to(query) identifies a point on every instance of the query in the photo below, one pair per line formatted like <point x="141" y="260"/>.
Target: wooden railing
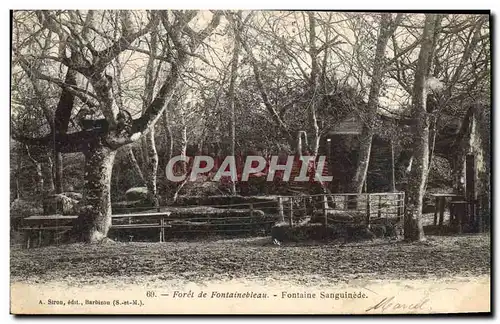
<point x="332" y="206"/>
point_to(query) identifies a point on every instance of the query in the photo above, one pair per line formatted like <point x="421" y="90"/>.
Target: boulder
<point x="136" y="193"/>
<point x="73" y="195"/>
<point x="60" y="204"/>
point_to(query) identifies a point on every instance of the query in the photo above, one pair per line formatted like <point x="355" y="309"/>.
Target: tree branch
<point x="104" y="57"/>
<point x="84" y="95"/>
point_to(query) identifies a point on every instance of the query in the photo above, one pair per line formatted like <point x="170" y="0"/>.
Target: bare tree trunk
<point x="39" y="185"/>
<point x="48" y="171"/>
<point x="148" y="140"/>
<point x="413" y="229"/>
<point x="58" y="172"/>
<point x="39" y="178"/>
<point x="94" y="220"/>
<point x="152" y="167"/>
<point x="387" y="28"/>
<point x="393" y="168"/>
<point x="184" y="142"/>
<point x="169" y="137"/>
<point x="232" y="82"/>
<point x="144" y="152"/>
<point x="313" y="52"/>
<point x="17" y="194"/>
<point x="135" y="165"/>
<point x="480" y="147"/>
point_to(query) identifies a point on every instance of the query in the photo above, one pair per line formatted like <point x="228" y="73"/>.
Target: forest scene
<point x="386" y="115"/>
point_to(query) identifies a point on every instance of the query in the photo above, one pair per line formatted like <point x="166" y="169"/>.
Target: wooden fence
<point x="342" y="207"/>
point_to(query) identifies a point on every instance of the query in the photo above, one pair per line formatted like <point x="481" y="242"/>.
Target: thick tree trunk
<point x="480" y="148"/>
<point x="365" y="141"/>
<point x="416" y="184"/>
<point x="413" y="229"/>
<point x="94" y="220"/>
<point x="149" y="145"/>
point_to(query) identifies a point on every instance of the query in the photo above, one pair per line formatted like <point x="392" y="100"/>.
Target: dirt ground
<point x="466" y="255"/>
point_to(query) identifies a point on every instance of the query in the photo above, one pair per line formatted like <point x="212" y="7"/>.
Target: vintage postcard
<point x="250" y="162"/>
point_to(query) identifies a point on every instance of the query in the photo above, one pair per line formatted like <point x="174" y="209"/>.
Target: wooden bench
<point x="41" y="223"/>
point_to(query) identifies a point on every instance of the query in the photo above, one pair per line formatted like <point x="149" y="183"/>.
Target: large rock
<point x="60" y="204"/>
<point x="136" y="193"/>
<point x="73" y="195"/>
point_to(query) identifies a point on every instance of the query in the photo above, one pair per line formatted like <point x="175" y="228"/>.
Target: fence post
<point x="325" y="209"/>
<point x="368" y="210"/>
<point x="291" y="211"/>
<point x="280" y="209"/>
<point x="251" y="210"/>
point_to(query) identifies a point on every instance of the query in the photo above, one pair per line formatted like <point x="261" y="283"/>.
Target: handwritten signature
<point x="389" y="303"/>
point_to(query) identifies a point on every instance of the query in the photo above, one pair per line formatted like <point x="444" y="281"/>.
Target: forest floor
<point x="465" y="255"/>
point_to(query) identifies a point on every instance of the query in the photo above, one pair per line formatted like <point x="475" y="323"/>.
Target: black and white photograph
<point x="174" y="161"/>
